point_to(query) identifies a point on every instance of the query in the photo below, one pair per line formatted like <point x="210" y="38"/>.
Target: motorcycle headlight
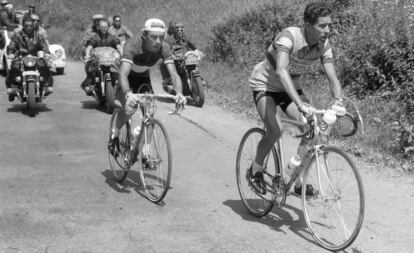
<point x="30" y="62"/>
<point x="58" y="53"/>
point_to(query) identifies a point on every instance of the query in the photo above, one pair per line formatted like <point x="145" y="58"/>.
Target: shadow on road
<point x="278" y="218"/>
<point x="93" y="105"/>
<point x="22" y="108"/>
<point x="132" y="181"/>
<point x="275" y="219"/>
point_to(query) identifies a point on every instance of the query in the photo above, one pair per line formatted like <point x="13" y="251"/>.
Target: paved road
<point x="57" y="194"/>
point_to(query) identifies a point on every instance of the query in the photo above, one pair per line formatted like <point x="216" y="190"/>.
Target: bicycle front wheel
<point x="335" y="212"/>
<point x="257" y="204"/>
<point x="119" y="160"/>
<point x="156" y="160"/>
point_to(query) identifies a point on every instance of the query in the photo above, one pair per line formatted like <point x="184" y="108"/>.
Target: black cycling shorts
<point x="280" y="98"/>
<point x="138" y="83"/>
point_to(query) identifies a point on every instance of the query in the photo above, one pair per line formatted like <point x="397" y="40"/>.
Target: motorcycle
<point x="102" y="88"/>
<point x="29" y="85"/>
<point x="187" y="67"/>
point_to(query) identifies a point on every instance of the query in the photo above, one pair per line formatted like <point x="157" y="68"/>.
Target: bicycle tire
<point x="324" y="227"/>
<point x="256" y="204"/>
<point x="119" y="162"/>
<point x="156" y="163"/>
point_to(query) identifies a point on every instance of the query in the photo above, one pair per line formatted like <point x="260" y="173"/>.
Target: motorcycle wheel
<point x="31" y="99"/>
<point x="197" y="91"/>
<point x="110" y="97"/>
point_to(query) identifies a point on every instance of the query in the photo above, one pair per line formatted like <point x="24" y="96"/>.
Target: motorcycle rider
<point x="28" y="41"/>
<point x="38" y="28"/>
<point x="101" y="39"/>
<point x="119" y="30"/>
<point x="92" y="29"/>
<point x="140" y="54"/>
<point x="110" y="21"/>
<point x="9" y="20"/>
<point x="179" y="44"/>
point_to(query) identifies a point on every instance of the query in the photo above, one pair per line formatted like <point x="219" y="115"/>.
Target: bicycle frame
<point x="313" y="150"/>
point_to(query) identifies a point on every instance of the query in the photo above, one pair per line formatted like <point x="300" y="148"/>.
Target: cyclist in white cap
<point x="140" y="54"/>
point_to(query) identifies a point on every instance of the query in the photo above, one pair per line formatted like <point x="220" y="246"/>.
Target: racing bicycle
<point x="149" y="150"/>
<point x="335" y="212"/>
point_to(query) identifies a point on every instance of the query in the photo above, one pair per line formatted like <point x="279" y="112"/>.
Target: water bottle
<point x="136" y="131"/>
<point x="293" y="163"/>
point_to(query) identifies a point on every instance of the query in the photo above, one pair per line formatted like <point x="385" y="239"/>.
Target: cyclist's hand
<point x="306" y="109"/>
<point x="131" y="104"/>
<point x="180" y="100"/>
<point x="338" y="107"/>
<point x="10" y="56"/>
<point x="87" y="58"/>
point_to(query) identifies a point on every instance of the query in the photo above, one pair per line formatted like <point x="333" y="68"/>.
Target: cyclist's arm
<point x="120" y="49"/>
<point x="88" y="50"/>
<point x="282" y="72"/>
<point x="124" y="71"/>
<point x="335" y="85"/>
<point x="128" y="33"/>
<point x="176" y="80"/>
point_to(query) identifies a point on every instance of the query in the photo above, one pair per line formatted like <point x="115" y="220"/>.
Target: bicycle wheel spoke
<point x="335" y="215"/>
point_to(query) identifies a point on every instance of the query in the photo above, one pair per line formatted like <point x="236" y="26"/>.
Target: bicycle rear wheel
<point x="335" y="213"/>
<point x="257" y="204"/>
<point x="156" y="158"/>
<point x="119" y="161"/>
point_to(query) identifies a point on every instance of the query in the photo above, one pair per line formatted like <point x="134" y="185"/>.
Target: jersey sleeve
<point x="92" y="41"/>
<point x="327" y="55"/>
<point x="130" y="49"/>
<point x="282" y="42"/>
<point x="167" y="55"/>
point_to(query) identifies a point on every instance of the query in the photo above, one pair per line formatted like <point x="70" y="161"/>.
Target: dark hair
<point x="315" y="10"/>
<point x="27" y="19"/>
<point x="116" y="16"/>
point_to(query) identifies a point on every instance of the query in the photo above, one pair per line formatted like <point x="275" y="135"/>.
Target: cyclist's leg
<point x="293" y="112"/>
<point x="266" y="107"/>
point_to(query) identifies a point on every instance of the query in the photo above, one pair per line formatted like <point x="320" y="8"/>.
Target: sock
<point x="256" y="167"/>
<point x="115" y="132"/>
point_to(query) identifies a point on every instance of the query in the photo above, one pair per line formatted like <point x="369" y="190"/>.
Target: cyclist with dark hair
<point x="276" y="81"/>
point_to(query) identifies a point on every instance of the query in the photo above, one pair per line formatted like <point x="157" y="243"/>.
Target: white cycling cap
<point x="9" y="6"/>
<point x="154" y="25"/>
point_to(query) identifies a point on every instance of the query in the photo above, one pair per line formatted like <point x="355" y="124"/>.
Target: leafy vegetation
<point x="373" y="42"/>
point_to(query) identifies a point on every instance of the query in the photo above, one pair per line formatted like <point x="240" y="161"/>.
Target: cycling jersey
<point x="141" y="59"/>
<point x="292" y="41"/>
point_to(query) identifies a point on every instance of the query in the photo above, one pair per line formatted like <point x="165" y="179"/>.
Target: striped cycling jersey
<point x="292" y="41"/>
<point x="141" y="59"/>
